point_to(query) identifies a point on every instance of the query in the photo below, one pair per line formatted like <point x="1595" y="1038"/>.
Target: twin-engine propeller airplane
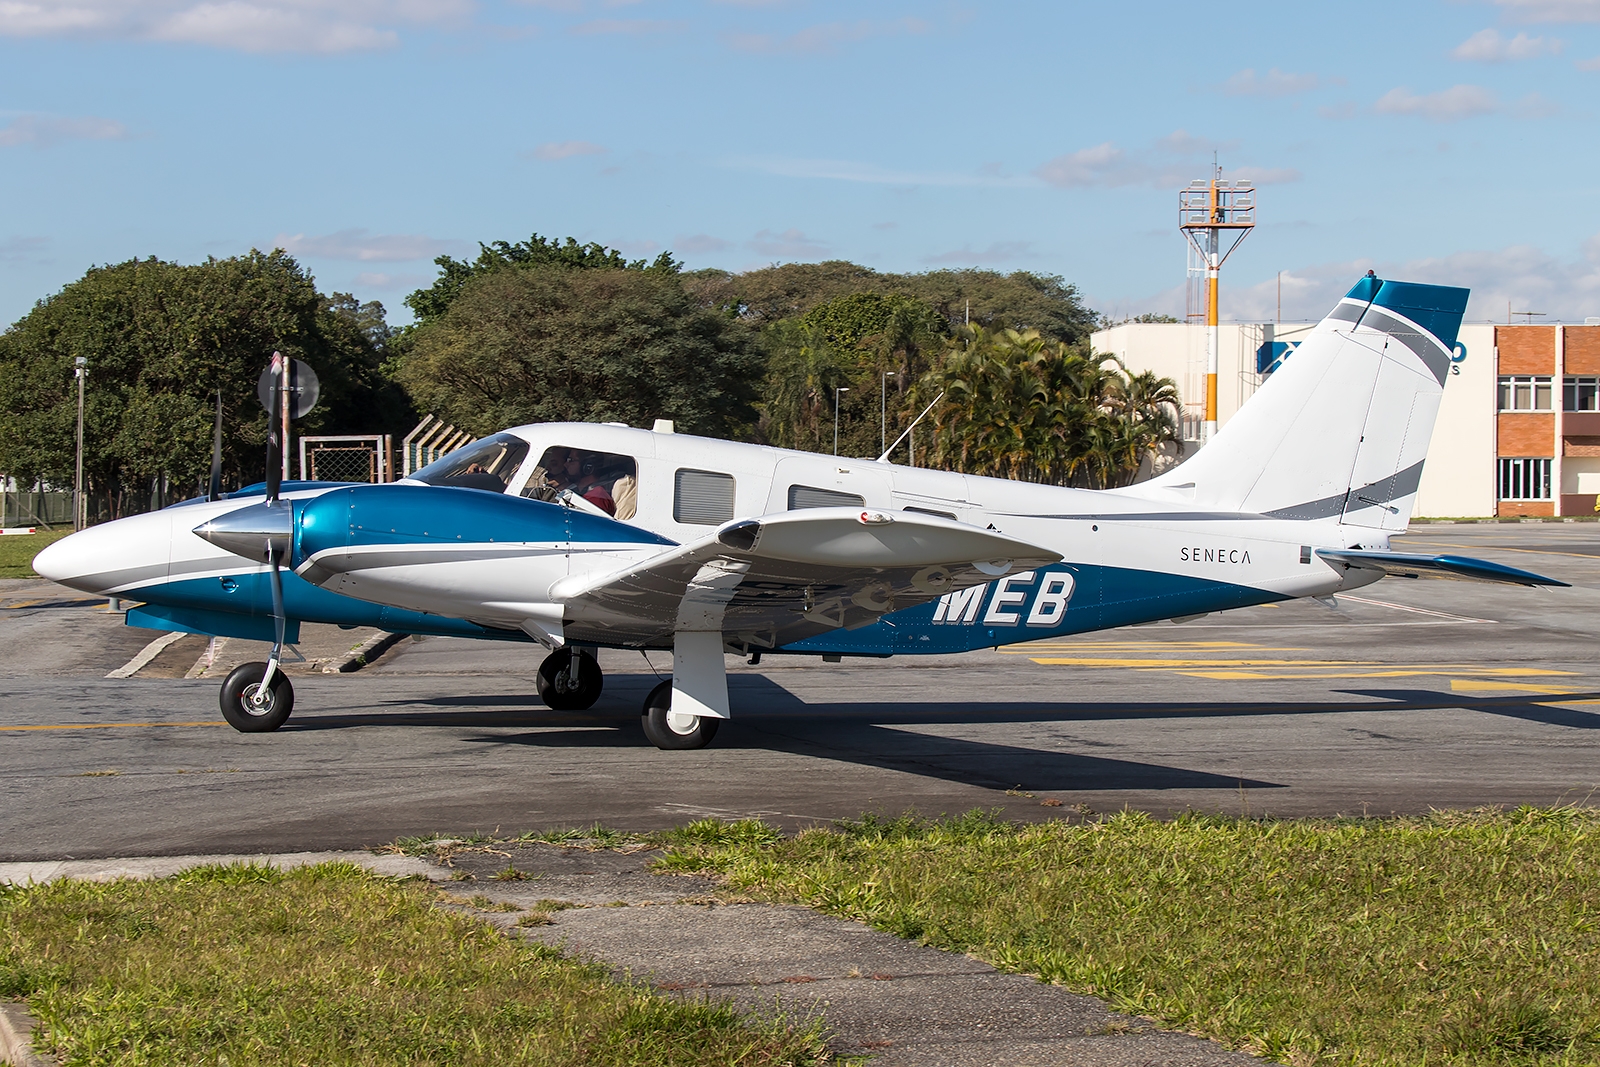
<point x="579" y="536"/>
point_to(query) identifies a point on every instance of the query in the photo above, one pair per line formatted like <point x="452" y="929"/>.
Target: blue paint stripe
<point x="1103" y="598"/>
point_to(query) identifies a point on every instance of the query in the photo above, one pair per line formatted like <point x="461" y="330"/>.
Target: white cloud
<point x="791" y="244"/>
<point x="365" y="247"/>
<point x="1589" y="64"/>
<point x="1109" y="166"/>
<point x="1490" y="46"/>
<point x="1273" y="83"/>
<point x="554" y="150"/>
<point x="700" y="244"/>
<point x="625" y="27"/>
<point x="998" y="252"/>
<point x="1566" y="290"/>
<point x="391" y="282"/>
<point x="40" y="131"/>
<point x="1447" y="105"/>
<point x="318" y="26"/>
<point x="845" y="170"/>
<point x="23" y="249"/>
<point x="1552" y="10"/>
<point x="822" y="39"/>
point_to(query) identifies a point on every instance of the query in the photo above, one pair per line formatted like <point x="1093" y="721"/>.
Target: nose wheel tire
<point x="248" y="708"/>
<point x="674" y="731"/>
<point x="557" y="687"/>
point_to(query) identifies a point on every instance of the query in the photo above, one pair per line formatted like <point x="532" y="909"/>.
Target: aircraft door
<point x="826" y="482"/>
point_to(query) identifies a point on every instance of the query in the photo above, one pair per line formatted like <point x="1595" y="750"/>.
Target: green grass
<point x="1453" y="939"/>
<point x="17" y="551"/>
<point x="331" y="965"/>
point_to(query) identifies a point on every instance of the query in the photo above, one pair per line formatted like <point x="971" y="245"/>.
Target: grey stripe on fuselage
<point x="1380" y="493"/>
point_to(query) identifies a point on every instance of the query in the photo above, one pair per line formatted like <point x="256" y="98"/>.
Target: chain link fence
<point x="36" y="509"/>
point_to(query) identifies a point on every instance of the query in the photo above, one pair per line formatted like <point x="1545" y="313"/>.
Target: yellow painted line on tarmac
<point x="107" y="725"/>
<point x="1501" y="548"/>
<point x="1478" y="685"/>
<point x="1260" y="676"/>
<point x="1169" y="664"/>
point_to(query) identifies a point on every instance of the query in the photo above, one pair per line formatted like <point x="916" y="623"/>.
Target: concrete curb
<point x="16" y="1037"/>
<point x="363" y="654"/>
<point x="107" y="870"/>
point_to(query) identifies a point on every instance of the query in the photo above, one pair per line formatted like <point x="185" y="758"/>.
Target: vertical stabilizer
<point x="1341" y="432"/>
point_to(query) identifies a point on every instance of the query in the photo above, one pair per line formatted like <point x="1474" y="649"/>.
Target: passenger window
<point x="702" y="497"/>
<point x="804" y="496"/>
<point x="930" y="511"/>
<point x="604" y="479"/>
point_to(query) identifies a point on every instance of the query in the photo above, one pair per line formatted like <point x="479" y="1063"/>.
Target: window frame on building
<point x="1578" y="389"/>
<point x="1523" y="392"/>
<point x="1524" y="478"/>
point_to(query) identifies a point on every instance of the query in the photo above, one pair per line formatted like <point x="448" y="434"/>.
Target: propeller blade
<point x="215" y="492"/>
<point x="274" y="442"/>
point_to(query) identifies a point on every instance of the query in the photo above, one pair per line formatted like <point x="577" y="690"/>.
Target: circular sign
<point x="303" y="387"/>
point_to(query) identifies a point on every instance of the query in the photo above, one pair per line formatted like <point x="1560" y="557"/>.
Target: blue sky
<point x="1452" y="142"/>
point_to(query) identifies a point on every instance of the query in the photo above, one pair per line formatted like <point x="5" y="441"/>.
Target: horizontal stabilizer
<point x="781" y="578"/>
<point x="1461" y="568"/>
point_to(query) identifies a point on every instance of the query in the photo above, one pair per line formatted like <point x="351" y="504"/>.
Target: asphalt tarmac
<point x="1406" y="696"/>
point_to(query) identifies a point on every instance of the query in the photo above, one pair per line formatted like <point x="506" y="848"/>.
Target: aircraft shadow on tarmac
<point x="1512" y="707"/>
<point x="769" y="718"/>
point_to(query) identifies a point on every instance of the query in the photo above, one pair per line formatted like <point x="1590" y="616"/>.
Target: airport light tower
<point x="1207" y="210"/>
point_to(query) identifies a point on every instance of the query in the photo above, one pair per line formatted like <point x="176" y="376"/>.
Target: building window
<point x="1525" y="479"/>
<point x="1523" y="392"/>
<point x="1581" y="394"/>
<point x="702" y="497"/>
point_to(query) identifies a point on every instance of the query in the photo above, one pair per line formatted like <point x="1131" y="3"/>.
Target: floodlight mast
<point x="1205" y="210"/>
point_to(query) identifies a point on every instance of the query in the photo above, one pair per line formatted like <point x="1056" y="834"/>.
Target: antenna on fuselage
<point x="913" y="426"/>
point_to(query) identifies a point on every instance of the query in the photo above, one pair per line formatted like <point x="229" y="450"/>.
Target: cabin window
<point x="931" y="511"/>
<point x="805" y="496"/>
<point x="604" y="480"/>
<point x="702" y="497"/>
<point x="489" y="464"/>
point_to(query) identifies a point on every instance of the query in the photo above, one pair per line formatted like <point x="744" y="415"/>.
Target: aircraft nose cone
<point x="89" y="560"/>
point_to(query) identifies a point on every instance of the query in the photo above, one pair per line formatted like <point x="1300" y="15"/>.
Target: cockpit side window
<point x="606" y="480"/>
<point x="489" y="464"/>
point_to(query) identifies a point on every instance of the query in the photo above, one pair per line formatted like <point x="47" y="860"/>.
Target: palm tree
<point x="802" y="371"/>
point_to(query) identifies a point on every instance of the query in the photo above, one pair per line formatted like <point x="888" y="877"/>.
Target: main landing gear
<point x="570" y="680"/>
<point x="674" y="730"/>
<point x="252" y="708"/>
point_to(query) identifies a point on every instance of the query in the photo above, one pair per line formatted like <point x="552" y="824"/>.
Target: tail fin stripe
<point x="1349" y="312"/>
<point x="1381" y="493"/>
<point x="1427" y="349"/>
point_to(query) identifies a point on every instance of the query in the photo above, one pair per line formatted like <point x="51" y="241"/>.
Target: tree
<point x="536" y="252"/>
<point x="1016" y="405"/>
<point x="160" y="339"/>
<point x="549" y="344"/>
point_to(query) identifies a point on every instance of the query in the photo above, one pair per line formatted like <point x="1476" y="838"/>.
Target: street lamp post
<point x="836" y="391"/>
<point x="80" y="370"/>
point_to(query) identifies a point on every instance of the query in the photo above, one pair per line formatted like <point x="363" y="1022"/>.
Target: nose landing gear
<point x="252" y="708"/>
<point x="570" y="680"/>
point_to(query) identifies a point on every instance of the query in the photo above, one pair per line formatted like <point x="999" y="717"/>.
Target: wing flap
<point x="1460" y="568"/>
<point x="781" y="578"/>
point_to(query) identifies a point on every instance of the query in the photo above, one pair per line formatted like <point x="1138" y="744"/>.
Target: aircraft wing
<point x="781" y="578"/>
<point x="1460" y="568"/>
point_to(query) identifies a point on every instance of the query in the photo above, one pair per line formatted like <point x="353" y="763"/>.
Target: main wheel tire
<point x="674" y="732"/>
<point x="239" y="707"/>
<point x="555" y="685"/>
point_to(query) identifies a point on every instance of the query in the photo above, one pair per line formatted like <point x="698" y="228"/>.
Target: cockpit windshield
<point x="489" y="464"/>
